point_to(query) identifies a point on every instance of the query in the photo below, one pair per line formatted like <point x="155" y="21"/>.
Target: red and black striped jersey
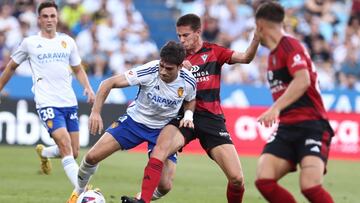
<point x="287" y="58"/>
<point x="206" y="68"/>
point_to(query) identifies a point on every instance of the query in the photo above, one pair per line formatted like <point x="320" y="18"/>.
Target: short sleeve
<point x="223" y="54"/>
<point x="141" y="75"/>
<point x="191" y="94"/>
<point x="296" y="61"/>
<point x="190" y="82"/>
<point x="75" y="59"/>
<point x="21" y="53"/>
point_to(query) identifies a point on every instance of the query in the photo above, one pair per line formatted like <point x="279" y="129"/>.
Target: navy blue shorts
<point x="129" y="134"/>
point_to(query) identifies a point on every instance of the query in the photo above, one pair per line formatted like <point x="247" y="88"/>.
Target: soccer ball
<point x="91" y="196"/>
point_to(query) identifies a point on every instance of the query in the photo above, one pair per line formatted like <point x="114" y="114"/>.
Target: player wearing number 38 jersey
<point x="53" y="57"/>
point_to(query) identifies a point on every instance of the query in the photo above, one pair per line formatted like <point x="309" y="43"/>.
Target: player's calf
<point x="273" y="192"/>
<point x="317" y="194"/>
<point x="235" y="193"/>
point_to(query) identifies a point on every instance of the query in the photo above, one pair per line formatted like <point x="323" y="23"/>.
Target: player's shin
<point x="86" y="170"/>
<point x="317" y="194"/>
<point x="273" y="192"/>
<point x="71" y="169"/>
<point x="151" y="179"/>
<point x="235" y="193"/>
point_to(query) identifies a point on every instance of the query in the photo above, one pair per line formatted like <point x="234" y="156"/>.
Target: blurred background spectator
<point x="116" y="35"/>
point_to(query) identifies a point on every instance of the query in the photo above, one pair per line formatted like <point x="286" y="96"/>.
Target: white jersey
<point x="158" y="102"/>
<point x="50" y="61"/>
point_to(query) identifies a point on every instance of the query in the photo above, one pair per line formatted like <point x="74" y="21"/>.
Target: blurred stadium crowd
<point x="112" y="35"/>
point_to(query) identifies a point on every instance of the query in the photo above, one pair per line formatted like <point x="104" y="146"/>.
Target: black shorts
<point x="294" y="142"/>
<point x="210" y="131"/>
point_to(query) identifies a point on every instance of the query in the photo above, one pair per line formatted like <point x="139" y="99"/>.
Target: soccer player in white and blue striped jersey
<point x="163" y="87"/>
<point x="50" y="55"/>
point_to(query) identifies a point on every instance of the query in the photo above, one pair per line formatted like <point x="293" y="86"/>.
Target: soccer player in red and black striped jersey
<point x="205" y="61"/>
<point x="304" y="134"/>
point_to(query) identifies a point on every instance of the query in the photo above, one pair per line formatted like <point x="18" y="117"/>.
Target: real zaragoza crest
<point x="180" y="91"/>
<point x="50" y="124"/>
<point x="63" y="44"/>
<point x="114" y="124"/>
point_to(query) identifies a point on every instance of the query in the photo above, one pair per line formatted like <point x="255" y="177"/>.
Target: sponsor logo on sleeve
<point x="297" y="60"/>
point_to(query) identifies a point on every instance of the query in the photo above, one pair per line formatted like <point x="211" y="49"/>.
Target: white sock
<point x="71" y="169"/>
<point x="85" y="172"/>
<point x="51" y="152"/>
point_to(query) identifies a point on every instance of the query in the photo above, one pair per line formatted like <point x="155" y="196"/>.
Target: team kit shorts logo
<point x="74" y="116"/>
<point x="114" y="124"/>
<point x="122" y="119"/>
<point x="271" y="138"/>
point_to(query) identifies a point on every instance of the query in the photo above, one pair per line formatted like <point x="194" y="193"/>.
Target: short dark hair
<point x="47" y="4"/>
<point x="191" y="20"/>
<point x="271" y="11"/>
<point x="173" y="53"/>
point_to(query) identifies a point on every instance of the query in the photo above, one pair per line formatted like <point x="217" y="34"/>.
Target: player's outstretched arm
<point x="295" y="90"/>
<point x="187" y="64"/>
<point x="8" y="73"/>
<point x="84" y="81"/>
<point x="249" y="54"/>
<point x="189" y="108"/>
<point x="95" y="120"/>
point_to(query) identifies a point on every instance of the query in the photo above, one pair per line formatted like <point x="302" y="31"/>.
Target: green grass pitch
<point x="198" y="179"/>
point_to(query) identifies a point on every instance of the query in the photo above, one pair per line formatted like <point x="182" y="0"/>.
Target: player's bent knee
<point x="237" y="180"/>
<point x="309" y="183"/>
<point x="310" y="178"/>
<point x="165" y="188"/>
<point x="91" y="159"/>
